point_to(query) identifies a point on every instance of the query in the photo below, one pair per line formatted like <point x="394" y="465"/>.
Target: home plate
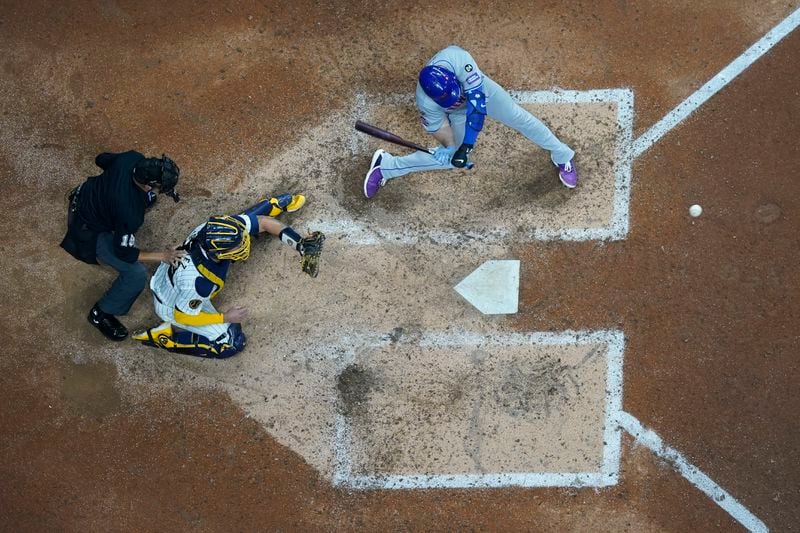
<point x="493" y="288"/>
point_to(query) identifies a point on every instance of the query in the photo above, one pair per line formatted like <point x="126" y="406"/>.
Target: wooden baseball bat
<point x="369" y="129"/>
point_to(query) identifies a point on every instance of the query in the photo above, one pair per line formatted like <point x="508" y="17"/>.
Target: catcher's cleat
<point x="288" y="203"/>
<point x="159" y="336"/>
<point x="568" y="174"/>
<point x="274" y="206"/>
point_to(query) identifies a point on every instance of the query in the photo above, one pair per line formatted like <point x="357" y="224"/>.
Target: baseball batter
<point x="453" y="97"/>
<point x="182" y="292"/>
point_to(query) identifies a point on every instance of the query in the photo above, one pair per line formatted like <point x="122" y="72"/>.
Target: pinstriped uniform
<point x="189" y="287"/>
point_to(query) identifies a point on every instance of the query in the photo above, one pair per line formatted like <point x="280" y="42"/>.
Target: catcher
<point x="183" y="292"/>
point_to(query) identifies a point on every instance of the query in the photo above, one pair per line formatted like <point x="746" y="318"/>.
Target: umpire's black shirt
<point x="112" y="202"/>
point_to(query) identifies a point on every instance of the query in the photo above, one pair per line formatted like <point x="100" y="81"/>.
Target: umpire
<point x="104" y="214"/>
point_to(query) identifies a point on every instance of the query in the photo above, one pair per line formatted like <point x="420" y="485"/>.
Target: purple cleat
<point x="374" y="179"/>
<point x="568" y="174"/>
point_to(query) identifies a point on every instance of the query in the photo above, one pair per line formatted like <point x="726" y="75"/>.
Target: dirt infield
<point x="254" y="97"/>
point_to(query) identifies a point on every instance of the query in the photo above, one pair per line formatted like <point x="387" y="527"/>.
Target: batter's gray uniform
<point x="499" y="105"/>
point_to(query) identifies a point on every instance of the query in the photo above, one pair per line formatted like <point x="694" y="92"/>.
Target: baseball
<point x="695" y="210"/>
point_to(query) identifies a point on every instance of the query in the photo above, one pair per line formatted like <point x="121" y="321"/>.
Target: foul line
<point x="726" y="75"/>
<point x="648" y="438"/>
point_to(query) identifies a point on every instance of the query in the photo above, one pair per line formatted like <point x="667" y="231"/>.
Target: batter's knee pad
<point x="185" y="342"/>
<point x="276" y="205"/>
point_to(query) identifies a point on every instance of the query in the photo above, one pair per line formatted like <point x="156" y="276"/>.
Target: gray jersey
<point x="459" y="61"/>
<point x="499" y="105"/>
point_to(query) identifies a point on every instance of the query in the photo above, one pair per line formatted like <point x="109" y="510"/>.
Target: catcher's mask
<point x="162" y="173"/>
<point x="226" y="238"/>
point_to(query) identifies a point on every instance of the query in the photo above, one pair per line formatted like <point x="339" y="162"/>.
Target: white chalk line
<point x="365" y="235"/>
<point x="718" y="495"/>
<point x="715" y="84"/>
<point x="612" y="438"/>
<point x="362" y="234"/>
<point x="471" y="481"/>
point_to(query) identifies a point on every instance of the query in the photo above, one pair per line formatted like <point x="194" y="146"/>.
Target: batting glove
<point x="443" y="154"/>
<point x="461" y="157"/>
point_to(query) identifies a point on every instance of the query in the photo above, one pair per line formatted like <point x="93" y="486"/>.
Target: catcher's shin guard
<point x="276" y="205"/>
<point x="188" y="343"/>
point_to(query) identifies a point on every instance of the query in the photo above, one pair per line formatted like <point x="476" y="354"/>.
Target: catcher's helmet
<point x="225" y="238"/>
<point x="441" y="85"/>
<point x="162" y="173"/>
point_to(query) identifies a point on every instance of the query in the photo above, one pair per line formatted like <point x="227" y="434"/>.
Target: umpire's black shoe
<point x="107" y="324"/>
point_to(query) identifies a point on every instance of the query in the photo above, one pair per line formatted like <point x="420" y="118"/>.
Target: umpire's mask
<point x="162" y="173"/>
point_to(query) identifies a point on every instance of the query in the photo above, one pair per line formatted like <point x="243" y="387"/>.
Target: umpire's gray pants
<point x="129" y="283"/>
<point x="499" y="106"/>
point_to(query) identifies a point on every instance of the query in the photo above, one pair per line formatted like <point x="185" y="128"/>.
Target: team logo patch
<point x="473" y="78"/>
<point x="194" y="304"/>
<point x="468" y="67"/>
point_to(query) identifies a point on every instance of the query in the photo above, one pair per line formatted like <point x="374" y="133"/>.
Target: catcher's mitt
<point x="310" y="250"/>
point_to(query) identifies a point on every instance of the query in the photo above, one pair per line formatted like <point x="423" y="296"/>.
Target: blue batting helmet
<point x="440" y="84"/>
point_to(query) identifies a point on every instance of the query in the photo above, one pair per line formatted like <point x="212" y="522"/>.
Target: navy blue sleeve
<point x="203" y="286"/>
<point x="105" y="160"/>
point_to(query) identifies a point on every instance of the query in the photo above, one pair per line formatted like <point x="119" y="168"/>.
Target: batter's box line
<point x="612" y="435"/>
<point x="361" y="234"/>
